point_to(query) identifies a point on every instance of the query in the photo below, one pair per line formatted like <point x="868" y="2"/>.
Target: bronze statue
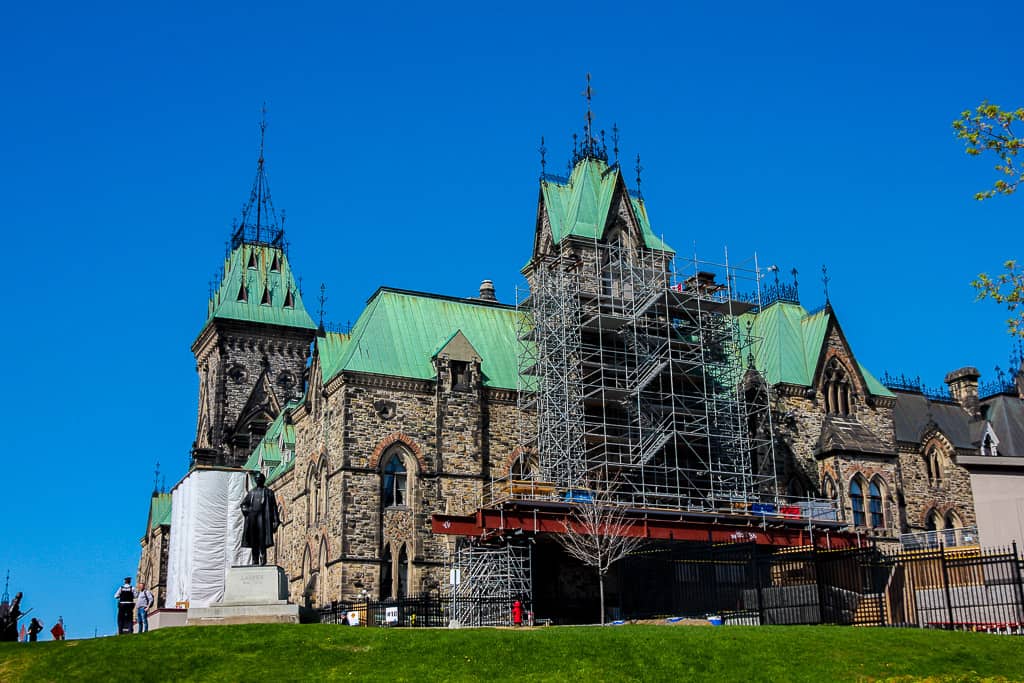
<point x="259" y="509"/>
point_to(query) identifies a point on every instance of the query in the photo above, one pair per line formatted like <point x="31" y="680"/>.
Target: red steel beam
<point x="731" y="530"/>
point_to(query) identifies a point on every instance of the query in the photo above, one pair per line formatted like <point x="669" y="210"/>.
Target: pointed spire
<point x="259" y="221"/>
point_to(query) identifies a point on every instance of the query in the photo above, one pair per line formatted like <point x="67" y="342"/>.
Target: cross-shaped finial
<point x="263" y="129"/>
<point x="825" y="279"/>
<point x="323" y="300"/>
<point x="156" y="478"/>
<point x="615" y="141"/>
<point x="639" y="169"/>
<point x="543" y="154"/>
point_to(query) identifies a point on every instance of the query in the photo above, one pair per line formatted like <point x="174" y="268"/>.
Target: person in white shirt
<point x="143" y="601"/>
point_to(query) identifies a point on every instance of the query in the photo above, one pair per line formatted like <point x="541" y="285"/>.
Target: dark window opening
<point x="836" y="389"/>
<point x="265" y="299"/>
<point x="253" y="263"/>
<point x="395" y="481"/>
<point x="857" y="502"/>
<point x="243" y="295"/>
<point x="275" y="265"/>
<point x="289" y="300"/>
<point x="460" y="374"/>
<point x="875" y="506"/>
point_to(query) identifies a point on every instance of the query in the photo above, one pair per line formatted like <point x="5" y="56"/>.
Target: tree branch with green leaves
<point x="1005" y="288"/>
<point x="989" y="130"/>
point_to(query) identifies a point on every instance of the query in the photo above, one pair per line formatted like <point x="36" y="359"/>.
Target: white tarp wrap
<point x="206" y="535"/>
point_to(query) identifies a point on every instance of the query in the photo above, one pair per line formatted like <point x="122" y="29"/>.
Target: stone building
<point x="413" y="412"/>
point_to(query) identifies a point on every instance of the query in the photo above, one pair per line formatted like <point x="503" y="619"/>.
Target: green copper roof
<point x="280" y="436"/>
<point x="269" y="296"/>
<point x="329" y="349"/>
<point x="580" y="208"/>
<point x="399" y="332"/>
<point x="790" y="344"/>
<point x="160" y="510"/>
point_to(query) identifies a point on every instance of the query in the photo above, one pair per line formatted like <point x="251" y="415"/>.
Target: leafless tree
<point x="599" y="533"/>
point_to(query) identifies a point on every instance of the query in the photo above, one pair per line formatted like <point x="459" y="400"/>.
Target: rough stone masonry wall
<point x="921" y="495"/>
<point x="153" y="562"/>
<point x="454" y="437"/>
<point x="231" y="361"/>
<point x="801" y="432"/>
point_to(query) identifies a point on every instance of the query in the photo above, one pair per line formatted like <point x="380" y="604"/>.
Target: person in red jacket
<point x="517" y="613"/>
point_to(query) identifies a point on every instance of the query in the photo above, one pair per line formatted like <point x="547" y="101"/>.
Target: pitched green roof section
<point x="258" y="286"/>
<point x="580" y="208"/>
<point x="790" y="344"/>
<point x="160" y="510"/>
<point x="329" y="349"/>
<point x="399" y="332"/>
<point x="270" y="455"/>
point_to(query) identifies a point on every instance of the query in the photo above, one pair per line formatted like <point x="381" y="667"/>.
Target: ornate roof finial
<point x="323" y="300"/>
<point x="775" y="270"/>
<point x="259" y="223"/>
<point x="589" y="94"/>
<point x="615" y="142"/>
<point x="543" y="161"/>
<point x="639" y="169"/>
<point x="156" y="478"/>
<point x="794" y="273"/>
<point x="825" y="279"/>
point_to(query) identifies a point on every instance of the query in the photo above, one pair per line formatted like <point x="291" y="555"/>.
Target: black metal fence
<point x="954" y="588"/>
<point x="747" y="584"/>
<point x="428" y="610"/>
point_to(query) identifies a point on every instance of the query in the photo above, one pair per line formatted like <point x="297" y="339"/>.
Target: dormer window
<point x="275" y="264"/>
<point x="253" y="262"/>
<point x="836" y="388"/>
<point x="243" y="295"/>
<point x="265" y="299"/>
<point x="289" y="299"/>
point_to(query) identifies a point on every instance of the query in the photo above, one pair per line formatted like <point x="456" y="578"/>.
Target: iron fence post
<point x="1018" y="569"/>
<point x="945" y="584"/>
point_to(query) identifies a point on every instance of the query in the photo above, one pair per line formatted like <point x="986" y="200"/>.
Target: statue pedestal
<point x="252" y="595"/>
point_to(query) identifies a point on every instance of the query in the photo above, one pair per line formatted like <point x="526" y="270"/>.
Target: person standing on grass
<point x="125" y="596"/>
<point x="34" y="627"/>
<point x="142" y="604"/>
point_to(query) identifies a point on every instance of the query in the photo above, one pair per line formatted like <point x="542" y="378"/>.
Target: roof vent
<point x="265" y="301"/>
<point x="252" y="259"/>
<point x="242" y="294"/>
<point x="275" y="265"/>
<point x="289" y="300"/>
<point x="487" y="291"/>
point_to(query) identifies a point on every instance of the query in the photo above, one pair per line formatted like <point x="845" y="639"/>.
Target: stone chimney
<point x="963" y="385"/>
<point x="487" y="291"/>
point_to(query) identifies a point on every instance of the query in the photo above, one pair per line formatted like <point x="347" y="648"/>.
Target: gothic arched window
<point x="875" y="506"/>
<point x="934" y="521"/>
<point x="395" y="482"/>
<point x="836" y="388"/>
<point x="857" y="500"/>
<point x="933" y="465"/>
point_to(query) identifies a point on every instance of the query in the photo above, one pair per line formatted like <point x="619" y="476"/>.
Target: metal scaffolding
<point x="637" y="380"/>
<point x="486" y="579"/>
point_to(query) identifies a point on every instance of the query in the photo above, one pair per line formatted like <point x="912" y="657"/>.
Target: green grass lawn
<point x="586" y="653"/>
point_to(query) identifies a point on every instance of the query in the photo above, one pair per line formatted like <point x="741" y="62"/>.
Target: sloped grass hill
<point x="622" y="653"/>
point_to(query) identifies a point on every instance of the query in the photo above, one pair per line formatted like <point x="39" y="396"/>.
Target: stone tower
<point x="251" y="353"/>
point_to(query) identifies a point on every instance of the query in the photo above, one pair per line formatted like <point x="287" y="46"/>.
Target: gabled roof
<point x="399" y="332"/>
<point x="915" y="413"/>
<point x="580" y="207"/>
<point x="270" y="295"/>
<point x="790" y="345"/>
<point x="1006" y="414"/>
<point x="268" y="453"/>
<point x="160" y="510"/>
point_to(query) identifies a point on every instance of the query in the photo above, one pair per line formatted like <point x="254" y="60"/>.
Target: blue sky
<point x="402" y="143"/>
